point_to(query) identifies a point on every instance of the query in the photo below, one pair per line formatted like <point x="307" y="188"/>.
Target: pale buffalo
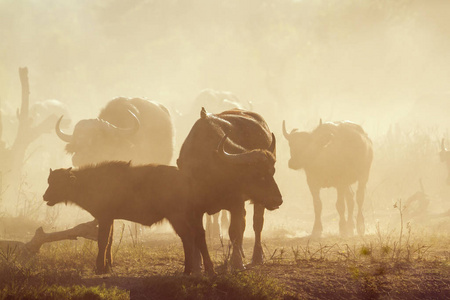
<point x="333" y="155"/>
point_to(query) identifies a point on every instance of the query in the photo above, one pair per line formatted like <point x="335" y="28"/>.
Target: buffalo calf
<point x="116" y="190"/>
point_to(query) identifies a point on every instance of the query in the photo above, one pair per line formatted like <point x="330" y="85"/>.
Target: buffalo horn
<point x="125" y="131"/>
<point x="285" y="133"/>
<point x="232" y="158"/>
<point x="63" y="136"/>
<point x="203" y="113"/>
<point x="242" y="158"/>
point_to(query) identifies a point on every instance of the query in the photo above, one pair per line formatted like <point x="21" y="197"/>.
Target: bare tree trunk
<point x="12" y="160"/>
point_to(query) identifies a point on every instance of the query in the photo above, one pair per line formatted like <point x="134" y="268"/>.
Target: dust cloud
<point x="382" y="64"/>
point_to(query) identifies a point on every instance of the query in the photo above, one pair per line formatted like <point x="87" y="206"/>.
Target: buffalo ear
<point x="72" y="179"/>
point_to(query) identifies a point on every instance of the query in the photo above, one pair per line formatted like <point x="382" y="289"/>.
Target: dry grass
<point x="383" y="265"/>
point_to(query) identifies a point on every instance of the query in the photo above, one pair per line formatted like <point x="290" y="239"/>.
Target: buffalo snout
<point x="293" y="164"/>
<point x="274" y="203"/>
<point x="47" y="199"/>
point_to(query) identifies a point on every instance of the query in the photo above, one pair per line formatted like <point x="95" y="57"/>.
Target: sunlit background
<point x="382" y="64"/>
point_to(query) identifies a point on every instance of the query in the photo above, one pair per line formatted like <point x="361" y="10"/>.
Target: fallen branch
<point x="88" y="230"/>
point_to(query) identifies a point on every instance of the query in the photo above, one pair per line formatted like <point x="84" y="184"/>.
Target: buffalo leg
<point x="200" y="244"/>
<point x="258" y="222"/>
<point x="340" y="206"/>
<point x="236" y="232"/>
<point x="104" y="234"/>
<point x="360" y="227"/>
<point x="317" y="229"/>
<point x="187" y="238"/>
<point x="350" y="208"/>
<point x="109" y="259"/>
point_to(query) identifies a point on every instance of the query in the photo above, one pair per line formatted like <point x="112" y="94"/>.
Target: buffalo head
<point x="255" y="170"/>
<point x="61" y="186"/>
<point x="95" y="140"/>
<point x="304" y="146"/>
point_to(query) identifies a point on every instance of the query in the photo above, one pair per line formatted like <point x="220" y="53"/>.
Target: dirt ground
<point x="326" y="268"/>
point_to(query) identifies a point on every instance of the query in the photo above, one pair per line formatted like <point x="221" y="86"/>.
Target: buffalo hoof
<point x="317" y="230"/>
<point x="210" y="272"/>
<point x="350" y="228"/>
<point x="316" y="234"/>
<point x="197" y="269"/>
<point x="258" y="256"/>
<point x="236" y="268"/>
<point x="237" y="264"/>
<point x="342" y="228"/>
<point x="104" y="270"/>
<point x="361" y="228"/>
<point x="346" y="231"/>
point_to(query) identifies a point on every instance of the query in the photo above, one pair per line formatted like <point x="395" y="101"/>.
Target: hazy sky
<point x="377" y="63"/>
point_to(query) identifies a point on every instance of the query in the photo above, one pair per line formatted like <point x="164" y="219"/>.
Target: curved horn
<point x="273" y="144"/>
<point x="63" y="136"/>
<point x="232" y="158"/>
<point x="125" y="131"/>
<point x="241" y="158"/>
<point x="220" y="149"/>
<point x="285" y="133"/>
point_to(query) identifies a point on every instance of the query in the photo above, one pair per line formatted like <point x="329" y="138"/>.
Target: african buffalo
<point x="115" y="190"/>
<point x="333" y="155"/>
<point x="230" y="158"/>
<point x="216" y="101"/>
<point x="445" y="158"/>
<point x="126" y="129"/>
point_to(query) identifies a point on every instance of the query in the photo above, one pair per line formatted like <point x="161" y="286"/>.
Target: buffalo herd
<point x="122" y="171"/>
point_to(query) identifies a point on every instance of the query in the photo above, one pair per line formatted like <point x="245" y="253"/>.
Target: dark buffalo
<point x="115" y="190"/>
<point x="445" y="158"/>
<point x="214" y="101"/>
<point x="217" y="101"/>
<point x="126" y="129"/>
<point x="230" y="158"/>
<point x="333" y="155"/>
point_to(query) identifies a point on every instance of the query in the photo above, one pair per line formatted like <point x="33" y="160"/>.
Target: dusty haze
<point x="382" y="64"/>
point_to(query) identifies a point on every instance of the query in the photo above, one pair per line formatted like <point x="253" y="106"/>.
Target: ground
<point x="150" y="267"/>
